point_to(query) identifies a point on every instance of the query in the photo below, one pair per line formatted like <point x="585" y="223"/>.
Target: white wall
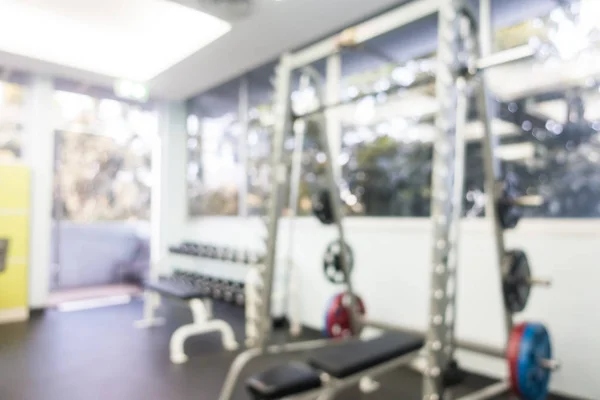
<point x="392" y="274"/>
<point x="38" y="153"/>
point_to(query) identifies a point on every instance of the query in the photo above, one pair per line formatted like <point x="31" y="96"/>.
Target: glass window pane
<point x="104" y="161"/>
<point x="11" y="121"/>
<point x="214" y="167"/>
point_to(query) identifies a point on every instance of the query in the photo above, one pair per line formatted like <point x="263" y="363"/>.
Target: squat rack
<point x="456" y="34"/>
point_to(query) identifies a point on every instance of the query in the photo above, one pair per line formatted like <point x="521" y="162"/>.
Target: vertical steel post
<point x="492" y="172"/>
<point x="442" y="189"/>
<point x="282" y="126"/>
<point x="243" y="109"/>
<point x="462" y="109"/>
<point x="292" y="289"/>
<point x="328" y="128"/>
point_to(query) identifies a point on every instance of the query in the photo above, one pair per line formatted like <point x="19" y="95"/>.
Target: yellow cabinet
<point x="15" y="228"/>
<point x="15" y="186"/>
<point x="13" y="286"/>
<point x="14" y="225"/>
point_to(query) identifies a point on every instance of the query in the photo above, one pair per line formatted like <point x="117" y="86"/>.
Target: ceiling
<point x="256" y="41"/>
<point x="272" y="28"/>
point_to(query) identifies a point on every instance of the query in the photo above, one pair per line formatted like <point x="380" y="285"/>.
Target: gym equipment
<point x="529" y="357"/>
<point x="332" y="264"/>
<point x="517" y="283"/>
<point x="217" y="292"/>
<point x="332" y="369"/>
<point x="217" y="253"/>
<point x="321" y="206"/>
<point x="337" y="316"/>
<point x="228" y="291"/>
<point x="510" y="204"/>
<point x="196" y="299"/>
<point x="460" y="68"/>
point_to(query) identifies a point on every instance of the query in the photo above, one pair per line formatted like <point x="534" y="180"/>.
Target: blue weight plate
<point x="533" y="378"/>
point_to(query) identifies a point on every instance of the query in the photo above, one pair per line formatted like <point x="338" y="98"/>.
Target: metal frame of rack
<point x="462" y="61"/>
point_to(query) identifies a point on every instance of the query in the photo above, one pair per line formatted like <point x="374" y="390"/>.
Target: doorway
<point x="101" y="211"/>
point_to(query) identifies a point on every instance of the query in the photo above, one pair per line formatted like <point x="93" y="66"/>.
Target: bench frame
<point x="330" y="385"/>
<point x="203" y="322"/>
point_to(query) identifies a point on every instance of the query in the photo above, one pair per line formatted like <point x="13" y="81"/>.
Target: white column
<point x="332" y="96"/>
<point x="38" y="153"/>
<point x="169" y="189"/>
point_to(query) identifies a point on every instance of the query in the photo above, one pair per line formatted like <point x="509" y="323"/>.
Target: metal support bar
<point x="366" y="31"/>
<point x="243" y="117"/>
<point x="441" y="201"/>
<point x="503" y="57"/>
<point x="461" y="344"/>
<point x="462" y="105"/>
<point x="278" y="177"/>
<point x="333" y="71"/>
<point x="491" y="391"/>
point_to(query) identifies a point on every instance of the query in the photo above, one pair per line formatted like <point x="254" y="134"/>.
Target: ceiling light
<point x="133" y="39"/>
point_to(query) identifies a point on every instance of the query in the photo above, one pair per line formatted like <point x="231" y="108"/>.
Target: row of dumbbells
<point x="218" y="289"/>
<point x="217" y="253"/>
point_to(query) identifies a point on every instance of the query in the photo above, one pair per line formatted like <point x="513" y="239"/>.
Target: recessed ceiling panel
<point x="132" y="39"/>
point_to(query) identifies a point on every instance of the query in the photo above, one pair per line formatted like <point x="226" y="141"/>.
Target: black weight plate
<point x="332" y="266"/>
<point x="516" y="284"/>
<point x="509" y="214"/>
<point x="321" y="207"/>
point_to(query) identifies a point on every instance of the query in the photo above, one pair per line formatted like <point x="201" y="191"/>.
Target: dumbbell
<point x="240" y="298"/>
<point x="201" y="250"/>
<point x="204" y="285"/>
<point x="186" y="247"/>
<point x="228" y="295"/>
<point x="218" y="289"/>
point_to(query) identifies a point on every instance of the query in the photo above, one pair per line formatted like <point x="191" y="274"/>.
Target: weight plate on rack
<point x="321" y="207"/>
<point x="516" y="285"/>
<point x="337" y="316"/>
<point x="332" y="264"/>
<point x="528" y="345"/>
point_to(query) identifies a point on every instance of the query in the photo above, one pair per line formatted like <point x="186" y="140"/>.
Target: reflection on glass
<point x="11" y="121"/>
<point x="103" y="159"/>
<point x="258" y="163"/>
<point x="214" y="167"/>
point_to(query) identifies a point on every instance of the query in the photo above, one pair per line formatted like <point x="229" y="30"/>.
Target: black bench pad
<point x="174" y="289"/>
<point x="282" y="381"/>
<point x="356" y="356"/>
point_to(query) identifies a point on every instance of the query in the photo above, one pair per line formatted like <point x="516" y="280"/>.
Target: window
<point x="259" y="159"/>
<point x="103" y="159"/>
<point x="214" y="166"/>
<point x="386" y="141"/>
<point x="552" y="103"/>
<point x="11" y="121"/>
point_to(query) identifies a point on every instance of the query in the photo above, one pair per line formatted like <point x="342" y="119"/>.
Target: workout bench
<point x="332" y="369"/>
<point x="201" y="307"/>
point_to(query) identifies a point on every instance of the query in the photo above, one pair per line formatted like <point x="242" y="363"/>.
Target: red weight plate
<point x="338" y="316"/>
<point x="512" y="356"/>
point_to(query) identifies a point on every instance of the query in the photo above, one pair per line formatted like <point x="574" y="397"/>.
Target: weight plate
<point x="516" y="284"/>
<point x="332" y="265"/>
<point x="321" y="207"/>
<point x="512" y="356"/>
<point x="509" y="214"/>
<point x="533" y="378"/>
<point x="337" y="316"/>
<point x="330" y="305"/>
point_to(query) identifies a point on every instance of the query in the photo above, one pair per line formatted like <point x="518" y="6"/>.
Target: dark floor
<point x="99" y="355"/>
